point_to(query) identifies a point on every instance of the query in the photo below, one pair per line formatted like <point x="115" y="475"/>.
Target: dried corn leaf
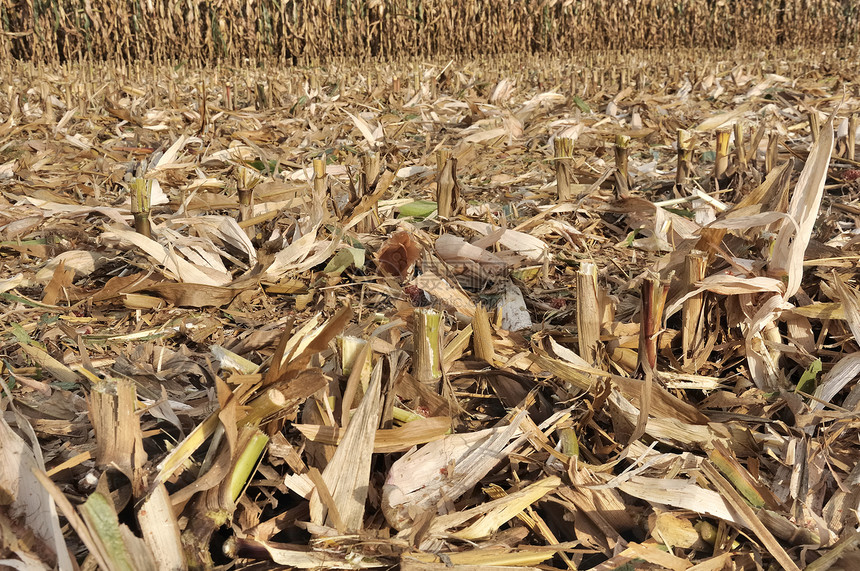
<point x="180" y="268"/>
<point x="424" y="479"/>
<point x="495" y="513"/>
<point x="27" y="501"/>
<point x="793" y="237"/>
<point x="488" y="556"/>
<point x="348" y="473"/>
<point x="387" y="440"/>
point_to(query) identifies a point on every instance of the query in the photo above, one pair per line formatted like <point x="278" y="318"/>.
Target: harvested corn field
<point x="496" y="313"/>
<point x="307" y="30"/>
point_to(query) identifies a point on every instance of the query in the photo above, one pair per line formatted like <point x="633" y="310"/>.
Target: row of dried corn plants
<point x="232" y="30"/>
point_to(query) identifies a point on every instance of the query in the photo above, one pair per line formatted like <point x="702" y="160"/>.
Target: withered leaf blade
<point x="195" y="295"/>
<point x="397" y="254"/>
<point x="348" y="472"/>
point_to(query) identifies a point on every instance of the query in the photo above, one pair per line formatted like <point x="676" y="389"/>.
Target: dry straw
<point x="61" y="30"/>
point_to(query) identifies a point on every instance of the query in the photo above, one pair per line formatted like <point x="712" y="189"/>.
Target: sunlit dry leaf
<point x="793" y="239"/>
<point x="444" y="468"/>
<point x="195" y="295"/>
<point x="184" y="270"/>
<point x="81" y="262"/>
<point x="398" y="439"/>
<point x="397" y="254"/>
<point x="28" y="502"/>
<point x="348" y="472"/>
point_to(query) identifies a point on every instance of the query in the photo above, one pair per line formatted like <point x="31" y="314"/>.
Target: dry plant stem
<point x="654" y="292"/>
<point x="370" y="165"/>
<point x="622" y="172"/>
<point x="262" y="96"/>
<point x="49" y="107"/>
<point x="349" y="349"/>
<point x="246" y="180"/>
<point x="771" y="155"/>
<point x="142" y="224"/>
<point x="228" y="96"/>
<point x="447" y="189"/>
<point x="140" y="202"/>
<point x="265" y="406"/>
<point x="692" y="324"/>
<point x="771" y="334"/>
<point x="721" y="162"/>
<point x="160" y="528"/>
<point x="370" y="170"/>
<point x="427" y="337"/>
<point x="752" y="152"/>
<point x="740" y="149"/>
<point x="685" y="155"/>
<point x="563" y="154"/>
<point x="814" y="126"/>
<point x="245" y="214"/>
<point x="119" y="441"/>
<point x="204" y="109"/>
<point x="246" y="198"/>
<point x="360" y="367"/>
<point x="588" y="311"/>
<point x="214" y="507"/>
<point x="482" y="337"/>
<point x="320" y="187"/>
<point x="852" y="135"/>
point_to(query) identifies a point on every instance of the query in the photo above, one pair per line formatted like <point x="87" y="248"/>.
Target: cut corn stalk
<point x="588" y="311"/>
<point x="482" y="338"/>
<point x="852" y="136"/>
<point x="563" y="149"/>
<point x="141" y="190"/>
<point x="119" y="441"/>
<point x="692" y="327"/>
<point x="721" y="162"/>
<point x="772" y="151"/>
<point x="447" y="186"/>
<point x="654" y="291"/>
<point x="246" y="179"/>
<point x="427" y="338"/>
<point x="685" y="157"/>
<point x="740" y="150"/>
<point x="623" y="180"/>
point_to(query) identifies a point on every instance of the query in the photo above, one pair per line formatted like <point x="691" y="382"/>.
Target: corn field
<point x="304" y="30"/>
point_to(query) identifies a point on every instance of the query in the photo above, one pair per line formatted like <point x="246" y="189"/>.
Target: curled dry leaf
<point x="397" y="254"/>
